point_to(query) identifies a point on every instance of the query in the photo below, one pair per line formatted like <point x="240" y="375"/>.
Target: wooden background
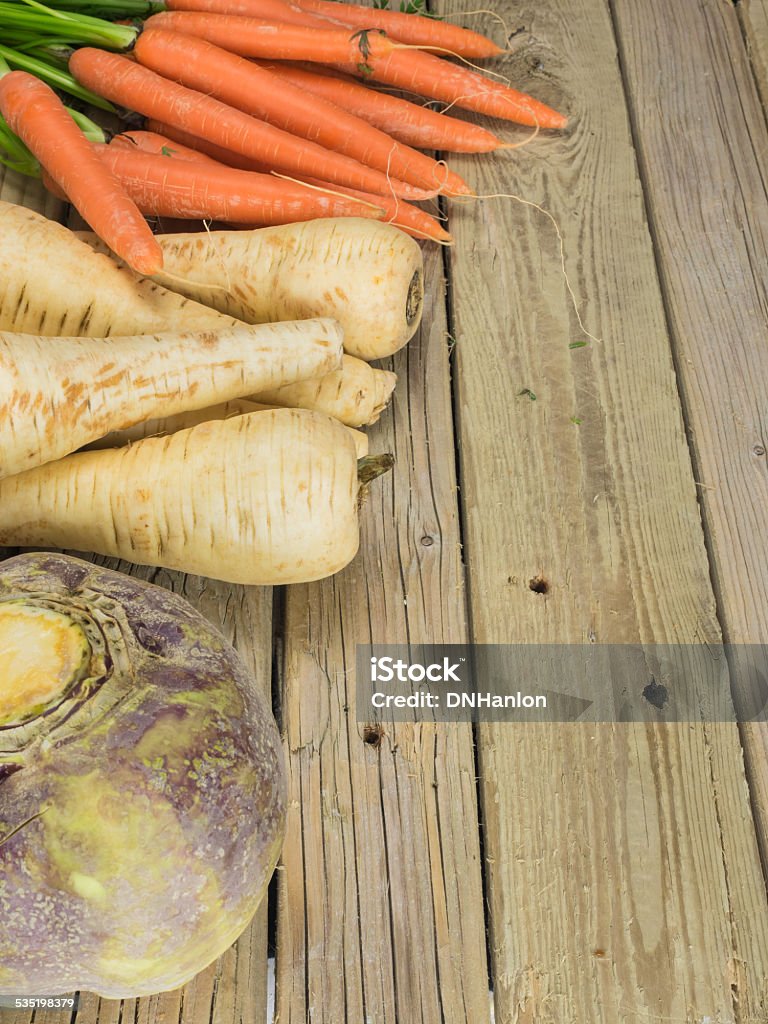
<point x="587" y="873"/>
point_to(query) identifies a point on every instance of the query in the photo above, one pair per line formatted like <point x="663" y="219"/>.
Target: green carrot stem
<point x="13" y="152"/>
<point x="74" y="28"/>
<point x="55" y="77"/>
<point x="92" y="131"/>
<point x="114" y="8"/>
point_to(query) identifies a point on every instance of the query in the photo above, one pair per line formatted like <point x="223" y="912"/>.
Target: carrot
<point x="411" y="219"/>
<point x="59" y="395"/>
<point x="36" y="114"/>
<point x="184" y="420"/>
<point x="178" y="188"/>
<point x="159" y="142"/>
<point x="409" y="123"/>
<point x="186" y="147"/>
<point x="265" y="498"/>
<point x="216" y="72"/>
<point x="406" y="28"/>
<point x="279" y="40"/>
<point x="397" y="65"/>
<point x="128" y="83"/>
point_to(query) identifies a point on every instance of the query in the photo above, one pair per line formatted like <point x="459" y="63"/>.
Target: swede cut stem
<point x="43" y="654"/>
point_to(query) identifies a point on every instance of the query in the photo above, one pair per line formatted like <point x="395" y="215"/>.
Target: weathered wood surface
<point x="623" y="873"/>
<point x="380" y="916"/>
<point x="712" y="242"/>
<point x="234" y="989"/>
<point x="623" y="870"/>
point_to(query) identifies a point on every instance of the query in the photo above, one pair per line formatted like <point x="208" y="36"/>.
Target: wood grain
<point x="380" y="915"/>
<point x="712" y="244"/>
<point x="753" y="16"/>
<point x="623" y="871"/>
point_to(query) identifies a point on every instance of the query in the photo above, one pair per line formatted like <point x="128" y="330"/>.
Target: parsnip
<point x="265" y="498"/>
<point x="185" y="420"/>
<point x="58" y="394"/>
<point x="356" y="394"/>
<point x="365" y="274"/>
<point x="53" y="283"/>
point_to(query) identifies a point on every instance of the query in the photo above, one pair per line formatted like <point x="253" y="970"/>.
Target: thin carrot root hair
<point x="523" y="142"/>
<point x="321" y="188"/>
<point x="472" y="14"/>
<point x="458" y="56"/>
<point x="471" y="95"/>
<point x="561" y="244"/>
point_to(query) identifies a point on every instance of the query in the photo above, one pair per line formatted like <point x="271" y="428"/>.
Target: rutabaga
<point x="142" y="788"/>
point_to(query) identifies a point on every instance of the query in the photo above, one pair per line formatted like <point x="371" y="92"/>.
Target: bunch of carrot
<point x="260" y="112"/>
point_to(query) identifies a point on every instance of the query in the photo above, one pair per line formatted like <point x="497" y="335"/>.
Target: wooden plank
<point x="713" y="247"/>
<point x="753" y="15"/>
<point x="723" y="366"/>
<point x="623" y="871"/>
<point x="380" y="912"/>
<point x="233" y="990"/>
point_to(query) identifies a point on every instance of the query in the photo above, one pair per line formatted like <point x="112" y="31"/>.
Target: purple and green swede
<point x="142" y="791"/>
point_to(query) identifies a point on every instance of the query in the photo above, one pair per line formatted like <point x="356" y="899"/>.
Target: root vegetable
<point x="356" y="394"/>
<point x="37" y="115"/>
<point x="57" y="395"/>
<point x="265" y="498"/>
<point x="86" y="293"/>
<point x="366" y="275"/>
<point x="52" y="283"/>
<point x="184" y="420"/>
<point x="142" y="786"/>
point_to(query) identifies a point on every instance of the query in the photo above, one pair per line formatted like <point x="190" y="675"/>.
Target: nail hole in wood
<point x="538" y="585"/>
<point x="373" y="735"/>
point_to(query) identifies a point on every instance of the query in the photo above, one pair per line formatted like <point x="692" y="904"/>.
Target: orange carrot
<point x="159" y="143"/>
<point x="375" y="57"/>
<point x="36" y="114"/>
<point x="409" y="123"/>
<point x="406" y="28"/>
<point x="240" y="83"/>
<point x="185" y="147"/>
<point x="268" y="10"/>
<point x="124" y="81"/>
<point x="280" y="40"/>
<point x="179" y="188"/>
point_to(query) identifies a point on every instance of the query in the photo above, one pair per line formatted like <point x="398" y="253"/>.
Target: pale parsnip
<point x="52" y="283"/>
<point x="365" y="274"/>
<point x="57" y="394"/>
<point x="264" y="498"/>
<point x="184" y="420"/>
<point x="356" y="394"/>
